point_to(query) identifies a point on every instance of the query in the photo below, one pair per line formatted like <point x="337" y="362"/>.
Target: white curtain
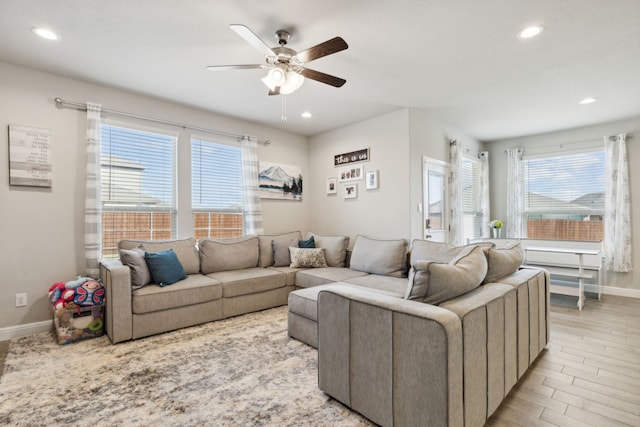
<point x="456" y="227"/>
<point x="515" y="193"/>
<point x="93" y="204"/>
<point x="485" y="212"/>
<point x="617" y="224"/>
<point x="252" y="208"/>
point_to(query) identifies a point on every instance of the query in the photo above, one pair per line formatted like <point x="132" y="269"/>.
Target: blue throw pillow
<point x="307" y="244"/>
<point x="165" y="267"/>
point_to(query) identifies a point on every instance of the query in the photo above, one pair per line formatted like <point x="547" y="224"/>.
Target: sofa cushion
<point x="436" y="280"/>
<point x="228" y="254"/>
<point x="503" y="260"/>
<point x="248" y="281"/>
<point x="322" y="276"/>
<point x="281" y="253"/>
<point x="134" y="258"/>
<point x="378" y="256"/>
<point x="195" y="289"/>
<point x="392" y="286"/>
<point x="335" y="248"/>
<point x="165" y="267"/>
<point x="266" y="246"/>
<point x="307" y="258"/>
<point x="185" y="249"/>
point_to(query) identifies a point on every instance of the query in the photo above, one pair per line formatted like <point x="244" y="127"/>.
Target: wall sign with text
<point x="352" y="157"/>
<point x="29" y="156"/>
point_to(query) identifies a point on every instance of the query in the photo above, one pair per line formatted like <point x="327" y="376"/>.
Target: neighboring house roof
<point x="532" y="200"/>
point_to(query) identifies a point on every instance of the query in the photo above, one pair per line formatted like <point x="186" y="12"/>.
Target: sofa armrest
<point x="395" y="361"/>
<point x="116" y="278"/>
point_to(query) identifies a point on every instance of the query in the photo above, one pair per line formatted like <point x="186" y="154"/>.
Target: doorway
<point x="435" y="223"/>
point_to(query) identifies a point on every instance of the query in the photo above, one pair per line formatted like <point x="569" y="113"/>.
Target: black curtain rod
<point x="83" y="107"/>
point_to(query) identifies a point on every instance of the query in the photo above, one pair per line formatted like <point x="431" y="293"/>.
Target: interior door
<point x="434" y="182"/>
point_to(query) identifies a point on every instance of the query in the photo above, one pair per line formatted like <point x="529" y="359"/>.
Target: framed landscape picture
<point x="279" y="181"/>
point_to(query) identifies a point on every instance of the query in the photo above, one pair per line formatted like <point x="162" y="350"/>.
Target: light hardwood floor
<point x="589" y="374"/>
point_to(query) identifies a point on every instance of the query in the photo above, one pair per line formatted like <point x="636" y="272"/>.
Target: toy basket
<point x="75" y="323"/>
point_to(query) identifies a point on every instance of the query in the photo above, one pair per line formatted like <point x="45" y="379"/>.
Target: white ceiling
<point x="460" y="59"/>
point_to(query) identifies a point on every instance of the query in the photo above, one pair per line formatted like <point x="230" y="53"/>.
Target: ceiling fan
<point x="286" y="66"/>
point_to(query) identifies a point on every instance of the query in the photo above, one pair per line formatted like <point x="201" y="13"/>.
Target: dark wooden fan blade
<point x="323" y="49"/>
<point x="234" y="67"/>
<point x="275" y="91"/>
<point x="322" y="77"/>
<point x="252" y="39"/>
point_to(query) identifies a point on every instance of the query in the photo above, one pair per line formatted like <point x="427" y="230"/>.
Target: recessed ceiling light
<point x="45" y="33"/>
<point x="530" y="32"/>
<point x="588" y="101"/>
<point x="306" y="115"/>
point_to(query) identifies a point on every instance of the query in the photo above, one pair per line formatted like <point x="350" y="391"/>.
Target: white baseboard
<point x="24" y="330"/>
<point x="611" y="290"/>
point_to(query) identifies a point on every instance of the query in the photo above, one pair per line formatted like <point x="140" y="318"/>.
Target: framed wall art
<point x="279" y="181"/>
<point x="351" y="173"/>
<point x="332" y="185"/>
<point x="371" y="180"/>
<point x="350" y="191"/>
<point x="29" y="156"/>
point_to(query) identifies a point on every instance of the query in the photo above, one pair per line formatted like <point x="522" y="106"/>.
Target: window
<point x="564" y="196"/>
<point x="471" y="213"/>
<point x="138" y="186"/>
<point x="216" y="189"/>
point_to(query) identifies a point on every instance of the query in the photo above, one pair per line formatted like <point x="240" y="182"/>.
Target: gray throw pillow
<point x="134" y="258"/>
<point x="266" y="247"/>
<point x="335" y="248"/>
<point x="434" y="282"/>
<point x="281" y="254"/>
<point x="503" y="261"/>
<point x="378" y="256"/>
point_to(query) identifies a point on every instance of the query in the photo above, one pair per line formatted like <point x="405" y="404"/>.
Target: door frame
<point x="430" y="164"/>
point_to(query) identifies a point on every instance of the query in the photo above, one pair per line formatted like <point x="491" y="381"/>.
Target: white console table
<point x="569" y="272"/>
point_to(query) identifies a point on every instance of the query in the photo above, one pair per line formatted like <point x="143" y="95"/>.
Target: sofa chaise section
<point x="395" y="361"/>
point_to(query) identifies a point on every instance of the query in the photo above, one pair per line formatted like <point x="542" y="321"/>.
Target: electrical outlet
<point x="21" y="300"/>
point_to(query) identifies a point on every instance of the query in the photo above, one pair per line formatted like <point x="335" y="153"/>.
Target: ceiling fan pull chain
<point x="283" y="117"/>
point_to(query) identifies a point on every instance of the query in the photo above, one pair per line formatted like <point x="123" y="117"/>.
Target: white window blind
<point x="472" y="217"/>
<point x="138" y="186"/>
<point x="216" y="171"/>
<point x="565" y="184"/>
<point x="138" y="169"/>
<point x="564" y="196"/>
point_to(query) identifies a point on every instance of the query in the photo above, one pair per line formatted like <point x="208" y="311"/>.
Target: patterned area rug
<point x="240" y="371"/>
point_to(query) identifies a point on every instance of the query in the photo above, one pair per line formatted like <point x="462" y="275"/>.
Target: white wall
<point x="379" y="213"/>
<point x="41" y="230"/>
<point x="590" y="134"/>
<point x="430" y="137"/>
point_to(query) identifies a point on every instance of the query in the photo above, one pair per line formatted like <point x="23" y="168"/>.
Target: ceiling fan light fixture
<point x="292" y="83"/>
<point x="274" y="78"/>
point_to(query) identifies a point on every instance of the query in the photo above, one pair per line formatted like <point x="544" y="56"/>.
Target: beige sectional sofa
<point x="439" y="340"/>
<point x="404" y="351"/>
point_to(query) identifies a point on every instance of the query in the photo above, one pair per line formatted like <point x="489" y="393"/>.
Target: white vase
<point x="496" y="232"/>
